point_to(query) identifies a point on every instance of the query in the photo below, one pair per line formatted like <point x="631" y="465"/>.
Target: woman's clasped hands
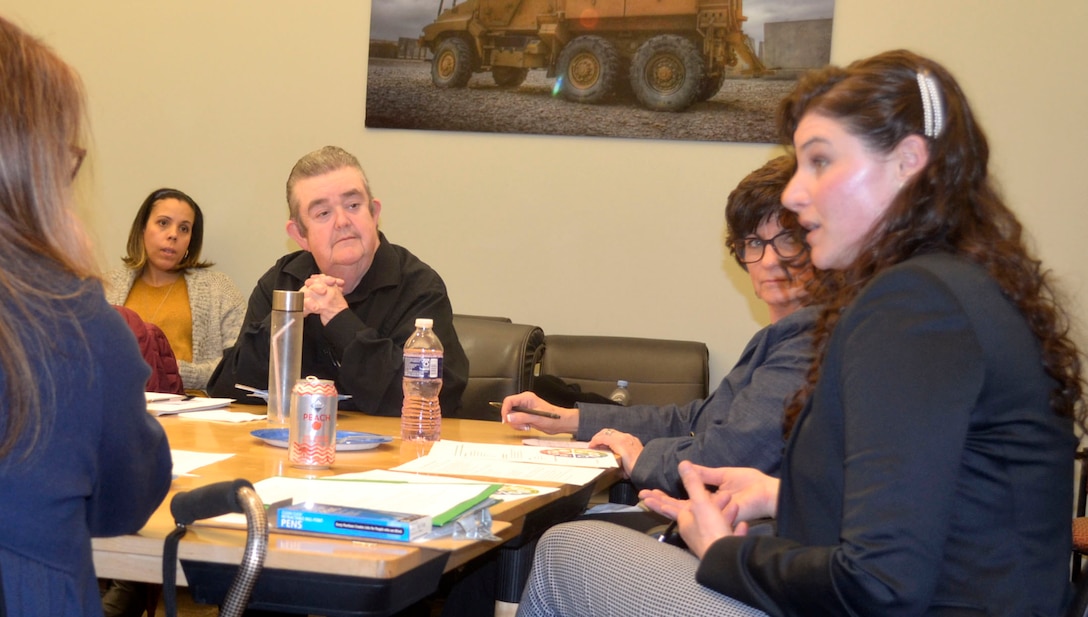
<point x="742" y="494"/>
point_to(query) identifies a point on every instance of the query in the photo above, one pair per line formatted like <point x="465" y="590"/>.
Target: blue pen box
<point x="352" y="522"/>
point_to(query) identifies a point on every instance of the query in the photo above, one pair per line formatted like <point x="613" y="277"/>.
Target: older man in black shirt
<point x="362" y="296"/>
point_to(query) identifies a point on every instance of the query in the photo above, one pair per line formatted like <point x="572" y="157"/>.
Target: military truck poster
<point x="707" y="70"/>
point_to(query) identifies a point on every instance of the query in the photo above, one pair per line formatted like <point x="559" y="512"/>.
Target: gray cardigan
<point x="738" y="425"/>
<point x="217" y="307"/>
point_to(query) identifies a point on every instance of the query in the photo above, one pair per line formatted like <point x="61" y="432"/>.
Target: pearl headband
<point x="931" y="104"/>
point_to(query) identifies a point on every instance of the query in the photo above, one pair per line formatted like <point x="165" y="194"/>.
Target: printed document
<point x="507" y="492"/>
<point x="550" y="455"/>
<point x="494" y="468"/>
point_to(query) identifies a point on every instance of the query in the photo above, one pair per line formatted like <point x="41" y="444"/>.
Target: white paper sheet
<point x="197" y="403"/>
<point x="554" y="443"/>
<point x="508" y="492"/>
<point x="223" y="415"/>
<point x="565" y="455"/>
<point x="187" y="460"/>
<point x="492" y="468"/>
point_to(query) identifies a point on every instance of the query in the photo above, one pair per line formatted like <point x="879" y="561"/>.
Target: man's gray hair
<point x="318" y="163"/>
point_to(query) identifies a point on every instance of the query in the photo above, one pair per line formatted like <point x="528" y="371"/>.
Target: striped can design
<point x="313" y="423"/>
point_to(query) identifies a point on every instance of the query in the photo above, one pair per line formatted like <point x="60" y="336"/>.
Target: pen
<point x="531" y="412"/>
<point x="669" y="534"/>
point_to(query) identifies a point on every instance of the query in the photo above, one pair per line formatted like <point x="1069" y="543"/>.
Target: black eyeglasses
<point x="77" y="155"/>
<point x="787" y="244"/>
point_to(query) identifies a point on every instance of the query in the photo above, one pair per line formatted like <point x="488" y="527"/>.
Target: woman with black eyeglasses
<point x="741" y="422"/>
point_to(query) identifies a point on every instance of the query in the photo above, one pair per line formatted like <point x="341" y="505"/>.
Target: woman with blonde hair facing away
<point x="80" y="457"/>
<point x="929" y="464"/>
<point x="167" y="284"/>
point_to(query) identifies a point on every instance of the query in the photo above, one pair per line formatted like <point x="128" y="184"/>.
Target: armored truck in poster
<point x="668" y="53"/>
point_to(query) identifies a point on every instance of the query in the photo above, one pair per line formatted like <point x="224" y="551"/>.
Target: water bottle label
<point x="422" y="368"/>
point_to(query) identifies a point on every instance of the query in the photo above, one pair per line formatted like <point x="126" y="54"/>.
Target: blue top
<point x="101" y="468"/>
<point x="739" y="424"/>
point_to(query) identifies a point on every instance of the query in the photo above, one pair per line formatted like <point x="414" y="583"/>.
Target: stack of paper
<point x="154" y="397"/>
<point x="562" y="465"/>
<point x="164" y="404"/>
<point x="508" y="492"/>
<point x="442" y="502"/>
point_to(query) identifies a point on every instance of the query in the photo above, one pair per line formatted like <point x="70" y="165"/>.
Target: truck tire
<point x="710" y="86"/>
<point x="452" y="64"/>
<point x="667" y="73"/>
<point x="589" y="67"/>
<point x="508" y="76"/>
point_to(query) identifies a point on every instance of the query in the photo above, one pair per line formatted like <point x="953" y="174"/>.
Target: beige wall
<point x="577" y="235"/>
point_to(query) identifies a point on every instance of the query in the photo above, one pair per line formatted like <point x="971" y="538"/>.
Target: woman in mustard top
<point x="167" y="284"/>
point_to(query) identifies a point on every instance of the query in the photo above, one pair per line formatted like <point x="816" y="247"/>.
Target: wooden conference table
<point x="328" y="576"/>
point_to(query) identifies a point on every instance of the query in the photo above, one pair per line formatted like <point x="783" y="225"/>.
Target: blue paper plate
<point x="263" y="394"/>
<point x="345" y="440"/>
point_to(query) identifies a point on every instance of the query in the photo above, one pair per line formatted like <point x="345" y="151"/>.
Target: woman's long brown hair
<point x="41" y="243"/>
<point x="951" y="205"/>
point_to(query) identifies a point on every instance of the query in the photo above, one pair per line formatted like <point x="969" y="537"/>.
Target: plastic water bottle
<point x="621" y="395"/>
<point x="421" y="415"/>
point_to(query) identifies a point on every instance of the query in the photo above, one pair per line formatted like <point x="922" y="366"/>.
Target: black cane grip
<point x="207" y="501"/>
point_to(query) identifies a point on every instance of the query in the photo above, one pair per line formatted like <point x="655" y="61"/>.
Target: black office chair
<point x="501" y="357"/>
<point x="658" y="371"/>
<point x="207" y="502"/>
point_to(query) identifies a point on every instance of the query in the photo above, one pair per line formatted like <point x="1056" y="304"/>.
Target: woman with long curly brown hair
<point x="928" y="467"/>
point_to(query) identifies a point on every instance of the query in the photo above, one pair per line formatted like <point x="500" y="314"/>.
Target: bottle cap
<point x="621" y="383"/>
<point x="286" y="300"/>
<point x="424" y="323"/>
